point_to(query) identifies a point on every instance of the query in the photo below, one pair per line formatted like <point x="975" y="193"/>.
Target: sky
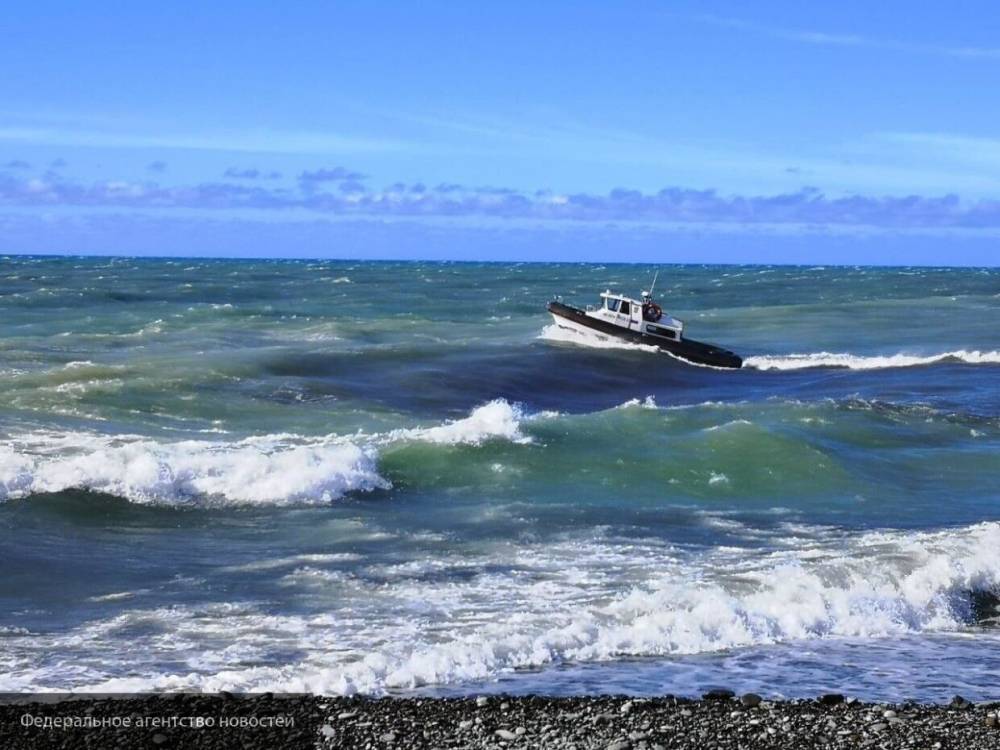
<point x="852" y="132"/>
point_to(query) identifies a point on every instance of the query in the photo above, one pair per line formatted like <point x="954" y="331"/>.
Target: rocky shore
<point x="718" y="720"/>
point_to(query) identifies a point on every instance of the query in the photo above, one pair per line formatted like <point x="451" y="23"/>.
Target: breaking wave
<point x="496" y="420"/>
<point x="874" y="585"/>
<point x="265" y="470"/>
<point x="736" y="445"/>
<point x="875" y="362"/>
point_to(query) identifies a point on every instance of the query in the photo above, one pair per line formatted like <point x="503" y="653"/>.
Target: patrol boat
<point x="642" y="322"/>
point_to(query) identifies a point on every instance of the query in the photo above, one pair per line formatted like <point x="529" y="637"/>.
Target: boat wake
<point x="592" y="339"/>
<point x="874" y="362"/>
<point x="803" y="361"/>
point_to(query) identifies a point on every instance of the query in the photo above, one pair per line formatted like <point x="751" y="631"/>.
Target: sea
<point x="400" y="478"/>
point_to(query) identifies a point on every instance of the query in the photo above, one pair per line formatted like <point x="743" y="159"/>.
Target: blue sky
<point x="771" y="132"/>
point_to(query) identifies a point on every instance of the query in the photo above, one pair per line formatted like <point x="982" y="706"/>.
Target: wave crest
<point x="258" y="471"/>
<point x="874" y="362"/>
<point x="497" y="419"/>
<point x="267" y="470"/>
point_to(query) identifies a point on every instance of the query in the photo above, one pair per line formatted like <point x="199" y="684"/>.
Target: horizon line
<point x="310" y="258"/>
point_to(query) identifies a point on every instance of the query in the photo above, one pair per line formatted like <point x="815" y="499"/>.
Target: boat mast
<point x="651" y="286"/>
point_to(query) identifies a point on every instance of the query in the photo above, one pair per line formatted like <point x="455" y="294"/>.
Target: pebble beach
<point x="720" y="719"/>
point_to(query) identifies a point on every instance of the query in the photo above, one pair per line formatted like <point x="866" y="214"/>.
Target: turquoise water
<point x="378" y="477"/>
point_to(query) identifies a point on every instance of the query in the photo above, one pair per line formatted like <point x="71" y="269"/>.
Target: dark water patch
<point x="97" y="509"/>
<point x="985" y="607"/>
<point x="910" y="412"/>
<point x="443" y="380"/>
<point x="118" y="296"/>
<point x="84" y="508"/>
<point x="312" y="392"/>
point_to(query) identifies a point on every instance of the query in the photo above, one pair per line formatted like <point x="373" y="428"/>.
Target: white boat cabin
<point x="642" y="316"/>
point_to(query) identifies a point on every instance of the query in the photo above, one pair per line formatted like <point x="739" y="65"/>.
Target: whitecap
<point x="715" y="478"/>
<point x="266" y="470"/>
<point x="873" y="362"/>
<point x="647" y="403"/>
<point x="497" y="419"/>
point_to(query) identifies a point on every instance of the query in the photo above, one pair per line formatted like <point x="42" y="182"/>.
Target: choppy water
<point x="374" y="477"/>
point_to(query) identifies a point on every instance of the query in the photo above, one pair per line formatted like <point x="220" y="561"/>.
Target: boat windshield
<point x="612" y="304"/>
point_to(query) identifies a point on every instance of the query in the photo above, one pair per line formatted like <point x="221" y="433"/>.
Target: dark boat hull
<point x="693" y="351"/>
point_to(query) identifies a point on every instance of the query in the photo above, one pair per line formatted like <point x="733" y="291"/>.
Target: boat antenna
<point x="651" y="286"/>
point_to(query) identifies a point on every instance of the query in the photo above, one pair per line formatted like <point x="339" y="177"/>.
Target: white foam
<point x="559" y="334"/>
<point x="399" y="627"/>
<point x="717" y="478"/>
<point x="116" y="596"/>
<point x="16" y="476"/>
<point x="308" y="576"/>
<point x="876" y="362"/>
<point x="890" y="585"/>
<point x="647" y="403"/>
<point x="728" y="425"/>
<point x="291" y="561"/>
<point x="495" y="420"/>
<point x="596" y="340"/>
<point x="155" y="326"/>
<point x="266" y="470"/>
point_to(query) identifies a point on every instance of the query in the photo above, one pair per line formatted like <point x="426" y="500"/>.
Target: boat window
<point x="612" y="304"/>
<point x="625" y="308"/>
